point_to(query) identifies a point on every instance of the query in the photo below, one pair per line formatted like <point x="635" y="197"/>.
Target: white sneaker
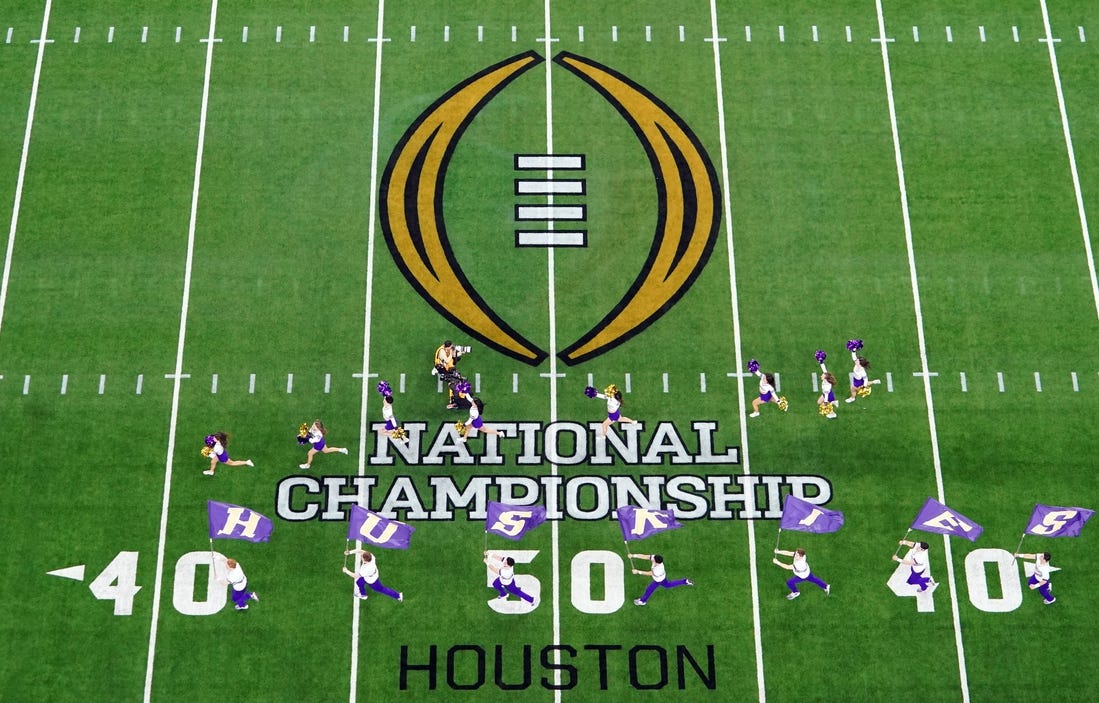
<point x="793" y="595"/>
<point x="343" y="450"/>
<point x="362" y="596"/>
<point x="831" y="416"/>
<point x="461" y="439"/>
<point x="849" y="400"/>
<point x="400" y="597"/>
<point x="638" y="601"/>
<point x="754" y="415"/>
<point x="828" y="590"/>
<point x="209" y="472"/>
<point x="303" y="466"/>
<point x="255" y="596"/>
<point x="1048" y="602"/>
<point x="242" y="607"/>
<point x="932" y="586"/>
<point x="249" y="463"/>
<point x="689" y="582"/>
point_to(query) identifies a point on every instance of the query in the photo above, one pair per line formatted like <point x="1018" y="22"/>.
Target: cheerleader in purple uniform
<point x="767" y="392"/>
<point x="392" y="426"/>
<point x="317" y="443"/>
<point x="218" y="454"/>
<point x="613" y="396"/>
<point x="860" y="378"/>
<point x="827" y="400"/>
<point x="476" y="405"/>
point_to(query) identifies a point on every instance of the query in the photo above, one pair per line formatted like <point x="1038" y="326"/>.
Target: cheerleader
<point x="317" y="443"/>
<point x="215" y="450"/>
<point x="613" y="396"/>
<point x="767" y="392"/>
<point x="392" y="427"/>
<point x="860" y="378"/>
<point x="827" y="399"/>
<point x="476" y="405"/>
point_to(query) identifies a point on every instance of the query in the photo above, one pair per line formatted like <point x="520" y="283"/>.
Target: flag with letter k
<point x="936" y="517"/>
<point x="228" y="521"/>
<point x="639" y="523"/>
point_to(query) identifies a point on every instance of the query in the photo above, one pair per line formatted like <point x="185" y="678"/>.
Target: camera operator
<point x="447" y="357"/>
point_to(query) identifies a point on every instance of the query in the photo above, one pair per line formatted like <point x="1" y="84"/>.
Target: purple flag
<point x="229" y="521"/>
<point x="513" y="521"/>
<point x="639" y="523"/>
<point x="803" y="516"/>
<point x="1052" y="521"/>
<point x="369" y="527"/>
<point x="936" y="517"/>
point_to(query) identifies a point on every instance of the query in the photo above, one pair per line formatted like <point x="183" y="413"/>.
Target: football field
<point x="239" y="217"/>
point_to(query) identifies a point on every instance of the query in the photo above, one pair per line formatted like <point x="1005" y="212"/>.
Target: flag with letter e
<point x="1053" y="521"/>
<point x="367" y="526"/>
<point x="936" y="517"/>
<point x="229" y="521"/>
<point x="513" y="521"/>
<point x="639" y="523"/>
<point x="803" y="516"/>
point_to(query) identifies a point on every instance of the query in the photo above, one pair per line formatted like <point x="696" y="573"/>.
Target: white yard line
<point x="1089" y="256"/>
<point x="925" y="372"/>
<point x="177" y="376"/>
<point x="551" y="294"/>
<point x="379" y="40"/>
<point x="42" y="41"/>
<point x="734" y="306"/>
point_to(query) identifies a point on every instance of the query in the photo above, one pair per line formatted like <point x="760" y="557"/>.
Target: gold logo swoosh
<point x="411" y="209"/>
<point x="689" y="212"/>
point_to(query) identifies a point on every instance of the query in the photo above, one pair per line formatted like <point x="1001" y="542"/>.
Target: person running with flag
<point x="234" y="576"/>
<point x="800" y="567"/>
<point x="504" y="568"/>
<point x="369" y="576"/>
<point x="919" y="562"/>
<point x="659" y="576"/>
<point x="1039" y="580"/>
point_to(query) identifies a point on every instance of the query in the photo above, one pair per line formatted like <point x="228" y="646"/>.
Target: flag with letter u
<point x="513" y="521"/>
<point x="367" y="526"/>
<point x="1053" y="521"/>
<point x="228" y="521"/>
<point x="936" y="517"/>
<point x="639" y="523"/>
<point x="803" y="516"/>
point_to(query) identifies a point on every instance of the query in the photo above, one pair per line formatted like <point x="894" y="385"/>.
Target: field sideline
<point x="240" y="216"/>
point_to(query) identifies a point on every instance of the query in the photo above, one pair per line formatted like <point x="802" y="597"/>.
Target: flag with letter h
<point x="371" y="528"/>
<point x="228" y="521"/>
<point x="513" y="521"/>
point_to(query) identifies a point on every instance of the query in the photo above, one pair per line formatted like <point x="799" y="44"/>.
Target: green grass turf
<point x="280" y="285"/>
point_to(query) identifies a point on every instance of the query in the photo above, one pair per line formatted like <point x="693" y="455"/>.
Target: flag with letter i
<point x="936" y="517"/>
<point x="803" y="516"/>
<point x="639" y="523"/>
<point x="228" y="521"/>
<point x="369" y="527"/>
<point x="1053" y="521"/>
<point x="513" y="521"/>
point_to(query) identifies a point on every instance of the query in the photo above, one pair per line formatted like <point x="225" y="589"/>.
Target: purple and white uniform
<point x="826" y="387"/>
<point x="1041" y="573"/>
<point x="858" y="374"/>
<point x="475" y="420"/>
<point x="919" y="568"/>
<point x="236" y="578"/>
<point x="802" y="573"/>
<point x="219" y="451"/>
<point x="660" y="580"/>
<point x="613" y="406"/>
<point x="505" y="584"/>
<point x="369" y="577"/>
<point x="766" y="390"/>
<point x="389" y="417"/>
<point x="316" y="438"/>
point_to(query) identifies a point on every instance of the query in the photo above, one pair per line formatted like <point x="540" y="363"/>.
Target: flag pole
<point x="906" y="533"/>
<point x="1018" y="548"/>
<point x="213" y="564"/>
<point x="778" y="539"/>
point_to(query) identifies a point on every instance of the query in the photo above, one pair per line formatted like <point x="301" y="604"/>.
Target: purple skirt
<point x="477" y="422"/>
<point x="223" y="457"/>
<point x="319" y="444"/>
<point x="766" y="397"/>
<point x="613" y="417"/>
<point x="858" y="382"/>
<point x="391" y="424"/>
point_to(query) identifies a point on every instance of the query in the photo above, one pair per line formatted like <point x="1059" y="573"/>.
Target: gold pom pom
<point x="400" y="435"/>
<point x="206" y="452"/>
<point x="783" y="404"/>
<point x="863" y="390"/>
<point x="462" y="429"/>
<point x="303" y="430"/>
<point x="825" y="409"/>
<point x="610" y="391"/>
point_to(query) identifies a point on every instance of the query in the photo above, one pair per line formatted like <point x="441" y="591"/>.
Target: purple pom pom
<point x="753" y="366"/>
<point x="854" y="344"/>
<point x="210" y="440"/>
<point x="462" y="387"/>
<point x="384" y="389"/>
<point x="590" y="391"/>
<point x="821" y="356"/>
